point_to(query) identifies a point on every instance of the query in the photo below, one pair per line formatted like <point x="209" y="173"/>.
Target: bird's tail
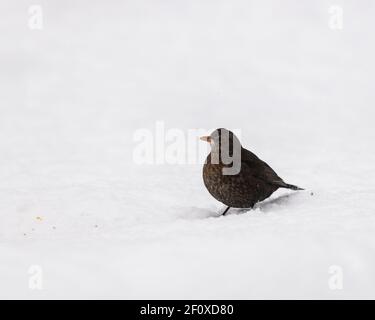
<point x="290" y="186"/>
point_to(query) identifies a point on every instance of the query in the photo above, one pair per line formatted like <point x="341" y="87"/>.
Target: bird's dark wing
<point x="259" y="169"/>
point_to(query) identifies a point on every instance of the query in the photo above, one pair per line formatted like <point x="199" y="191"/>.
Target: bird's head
<point x="222" y="141"/>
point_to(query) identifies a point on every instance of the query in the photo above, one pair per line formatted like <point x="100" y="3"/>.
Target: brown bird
<point x="235" y="176"/>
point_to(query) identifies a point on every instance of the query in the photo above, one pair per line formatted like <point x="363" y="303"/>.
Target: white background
<point x="100" y="226"/>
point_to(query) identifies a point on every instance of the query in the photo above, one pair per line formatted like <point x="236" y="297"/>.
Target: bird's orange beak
<point x="206" y="138"/>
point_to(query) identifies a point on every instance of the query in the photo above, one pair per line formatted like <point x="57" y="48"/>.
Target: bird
<point x="235" y="176"/>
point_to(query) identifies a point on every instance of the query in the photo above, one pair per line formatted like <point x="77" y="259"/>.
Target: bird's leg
<point x="226" y="210"/>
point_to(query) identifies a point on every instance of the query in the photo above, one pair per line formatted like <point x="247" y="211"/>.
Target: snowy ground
<point x="74" y="203"/>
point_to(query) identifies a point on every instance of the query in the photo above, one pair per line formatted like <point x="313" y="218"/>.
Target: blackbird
<point x="235" y="176"/>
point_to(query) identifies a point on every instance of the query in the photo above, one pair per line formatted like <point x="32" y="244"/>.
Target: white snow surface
<point x="73" y="201"/>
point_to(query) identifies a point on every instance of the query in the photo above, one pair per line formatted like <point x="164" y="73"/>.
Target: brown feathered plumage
<point x="254" y="182"/>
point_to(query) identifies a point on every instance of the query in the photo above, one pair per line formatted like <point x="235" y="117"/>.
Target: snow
<point x="74" y="203"/>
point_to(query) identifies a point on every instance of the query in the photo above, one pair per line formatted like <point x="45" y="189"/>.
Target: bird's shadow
<point x="280" y="200"/>
<point x="264" y="206"/>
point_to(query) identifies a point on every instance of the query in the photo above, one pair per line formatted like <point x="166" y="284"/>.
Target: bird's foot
<point x="225" y="211"/>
